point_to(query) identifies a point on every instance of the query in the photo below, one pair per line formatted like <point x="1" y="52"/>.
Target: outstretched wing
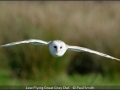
<point x="32" y="41"/>
<point x="79" y="49"/>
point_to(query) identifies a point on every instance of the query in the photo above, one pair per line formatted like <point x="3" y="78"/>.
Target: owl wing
<point x="32" y="41"/>
<point x="79" y="49"/>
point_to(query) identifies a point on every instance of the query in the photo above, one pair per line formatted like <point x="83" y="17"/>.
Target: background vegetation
<point x="91" y="24"/>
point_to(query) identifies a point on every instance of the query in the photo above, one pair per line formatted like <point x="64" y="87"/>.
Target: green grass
<point x="94" y="25"/>
<point x="61" y="79"/>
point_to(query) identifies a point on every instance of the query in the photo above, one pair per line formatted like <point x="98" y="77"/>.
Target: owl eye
<point x="61" y="47"/>
<point x="55" y="46"/>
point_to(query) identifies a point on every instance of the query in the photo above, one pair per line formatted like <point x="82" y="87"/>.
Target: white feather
<point x="32" y="41"/>
<point x="79" y="49"/>
<point x="58" y="47"/>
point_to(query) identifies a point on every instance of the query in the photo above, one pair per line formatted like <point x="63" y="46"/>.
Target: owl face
<point x="57" y="48"/>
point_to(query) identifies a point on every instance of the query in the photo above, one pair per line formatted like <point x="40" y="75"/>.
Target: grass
<point x="60" y="80"/>
<point x="94" y="25"/>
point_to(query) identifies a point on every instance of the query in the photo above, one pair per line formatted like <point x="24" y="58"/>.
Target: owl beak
<point x="56" y="50"/>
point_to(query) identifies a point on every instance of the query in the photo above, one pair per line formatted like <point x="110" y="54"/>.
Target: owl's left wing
<point x="31" y="41"/>
<point x="79" y="49"/>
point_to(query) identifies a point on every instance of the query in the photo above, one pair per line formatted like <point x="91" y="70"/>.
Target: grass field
<point x="94" y="25"/>
<point x="62" y="79"/>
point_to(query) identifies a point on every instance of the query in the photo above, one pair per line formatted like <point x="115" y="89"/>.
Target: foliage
<point x="94" y="25"/>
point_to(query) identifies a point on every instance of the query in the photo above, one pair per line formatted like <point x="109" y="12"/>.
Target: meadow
<point x="90" y="24"/>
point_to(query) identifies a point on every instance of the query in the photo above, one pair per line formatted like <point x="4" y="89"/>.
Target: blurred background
<point x="90" y="24"/>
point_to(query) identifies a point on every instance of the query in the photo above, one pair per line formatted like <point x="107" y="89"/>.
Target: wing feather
<point x="32" y="41"/>
<point x="79" y="49"/>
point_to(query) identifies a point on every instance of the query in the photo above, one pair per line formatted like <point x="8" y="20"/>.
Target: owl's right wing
<point x="79" y="49"/>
